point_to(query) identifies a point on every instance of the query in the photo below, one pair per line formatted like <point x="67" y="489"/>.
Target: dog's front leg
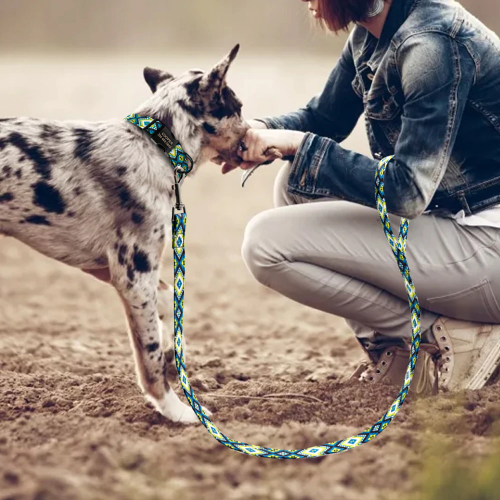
<point x="137" y="283"/>
<point x="165" y="310"/>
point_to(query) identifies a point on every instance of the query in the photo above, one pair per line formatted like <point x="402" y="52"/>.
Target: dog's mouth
<point x="230" y="156"/>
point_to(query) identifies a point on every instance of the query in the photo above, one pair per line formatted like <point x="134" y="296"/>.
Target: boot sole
<point x="484" y="367"/>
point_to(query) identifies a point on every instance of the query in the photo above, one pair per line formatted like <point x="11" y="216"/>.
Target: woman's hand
<point x="258" y="142"/>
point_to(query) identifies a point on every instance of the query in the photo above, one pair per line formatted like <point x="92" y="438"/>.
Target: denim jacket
<point x="430" y="92"/>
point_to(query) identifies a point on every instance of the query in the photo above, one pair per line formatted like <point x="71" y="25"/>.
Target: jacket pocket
<point x="383" y="104"/>
<point x="476" y="303"/>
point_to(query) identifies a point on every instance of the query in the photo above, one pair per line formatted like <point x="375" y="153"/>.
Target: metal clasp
<point x="179" y="176"/>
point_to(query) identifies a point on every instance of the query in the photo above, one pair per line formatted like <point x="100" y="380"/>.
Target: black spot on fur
<point x="121" y="171"/>
<point x="119" y="233"/>
<point x="228" y="106"/>
<point x="154" y="346"/>
<point x="50" y="132"/>
<point x="34" y="153"/>
<point x="141" y="261"/>
<point x="7" y="171"/>
<point x="3" y="143"/>
<point x="22" y="158"/>
<point x="127" y="201"/>
<point x="130" y="273"/>
<point x="48" y="197"/>
<point x="39" y="220"/>
<point x="84" y="144"/>
<point x="6" y="119"/>
<point x="210" y="128"/>
<point x="137" y="218"/>
<point x="193" y="87"/>
<point x="77" y="191"/>
<point x="6" y="197"/>
<point x="122" y="252"/>
<point x="144" y="304"/>
<point x="125" y="196"/>
<point x="195" y="111"/>
<point x="71" y="214"/>
<point x="18" y="173"/>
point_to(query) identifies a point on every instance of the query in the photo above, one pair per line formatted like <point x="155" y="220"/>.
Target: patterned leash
<point x="398" y="247"/>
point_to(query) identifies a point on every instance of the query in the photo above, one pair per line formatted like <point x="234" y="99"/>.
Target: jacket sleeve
<point x="436" y="76"/>
<point x="334" y="112"/>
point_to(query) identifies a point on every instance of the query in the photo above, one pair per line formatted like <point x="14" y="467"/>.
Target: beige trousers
<point x="333" y="255"/>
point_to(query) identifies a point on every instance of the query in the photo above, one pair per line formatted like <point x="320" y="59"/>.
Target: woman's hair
<point x="337" y="15"/>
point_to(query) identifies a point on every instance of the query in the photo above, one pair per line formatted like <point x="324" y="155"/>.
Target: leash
<point x="398" y="247"/>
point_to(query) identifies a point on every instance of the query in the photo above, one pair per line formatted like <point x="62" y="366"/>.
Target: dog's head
<point x="202" y="111"/>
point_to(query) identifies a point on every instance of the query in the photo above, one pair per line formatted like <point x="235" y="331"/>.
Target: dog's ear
<point x="154" y="77"/>
<point x="215" y="79"/>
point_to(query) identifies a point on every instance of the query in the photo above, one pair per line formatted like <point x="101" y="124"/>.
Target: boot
<point x="469" y="353"/>
<point x="389" y="363"/>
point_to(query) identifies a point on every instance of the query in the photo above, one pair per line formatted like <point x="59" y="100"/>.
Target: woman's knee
<point x="258" y="243"/>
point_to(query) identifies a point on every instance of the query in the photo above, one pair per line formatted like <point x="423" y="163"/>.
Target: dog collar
<point x="163" y="137"/>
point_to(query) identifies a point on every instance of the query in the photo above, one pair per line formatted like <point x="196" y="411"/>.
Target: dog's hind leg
<point x="135" y="276"/>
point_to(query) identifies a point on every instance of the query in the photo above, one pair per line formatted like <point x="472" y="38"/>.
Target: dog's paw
<point x="172" y="408"/>
<point x="207" y="412"/>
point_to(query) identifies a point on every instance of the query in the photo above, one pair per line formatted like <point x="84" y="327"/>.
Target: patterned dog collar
<point x="162" y="136"/>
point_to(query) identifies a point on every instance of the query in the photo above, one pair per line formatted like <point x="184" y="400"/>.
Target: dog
<point x="98" y="196"/>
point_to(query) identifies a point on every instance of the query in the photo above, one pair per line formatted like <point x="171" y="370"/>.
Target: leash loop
<point x="398" y="247"/>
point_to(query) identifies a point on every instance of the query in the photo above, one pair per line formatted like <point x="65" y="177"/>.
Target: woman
<point x="426" y="74"/>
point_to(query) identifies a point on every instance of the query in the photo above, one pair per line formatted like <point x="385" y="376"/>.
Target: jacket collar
<point x="398" y="13"/>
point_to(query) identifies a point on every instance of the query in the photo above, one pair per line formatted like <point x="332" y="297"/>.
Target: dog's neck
<point x="183" y="130"/>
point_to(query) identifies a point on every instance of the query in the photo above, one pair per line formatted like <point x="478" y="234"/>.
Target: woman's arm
<point x="435" y="97"/>
<point x="334" y="112"/>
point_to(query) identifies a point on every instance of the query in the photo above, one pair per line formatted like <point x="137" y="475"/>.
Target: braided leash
<point x="398" y="247"/>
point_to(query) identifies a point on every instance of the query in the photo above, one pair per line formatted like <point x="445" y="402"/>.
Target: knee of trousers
<point x="258" y="248"/>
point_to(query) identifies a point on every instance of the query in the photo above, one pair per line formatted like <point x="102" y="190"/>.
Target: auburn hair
<point x="337" y="15"/>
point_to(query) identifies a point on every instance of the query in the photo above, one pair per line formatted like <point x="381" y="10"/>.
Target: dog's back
<point x="67" y="187"/>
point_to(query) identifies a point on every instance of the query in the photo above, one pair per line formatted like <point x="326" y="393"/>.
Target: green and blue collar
<point x="163" y="137"/>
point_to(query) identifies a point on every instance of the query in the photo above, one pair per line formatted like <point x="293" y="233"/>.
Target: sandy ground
<point x="73" y="423"/>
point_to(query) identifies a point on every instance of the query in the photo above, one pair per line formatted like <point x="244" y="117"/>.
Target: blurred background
<point x="130" y="26"/>
<point x="73" y="424"/>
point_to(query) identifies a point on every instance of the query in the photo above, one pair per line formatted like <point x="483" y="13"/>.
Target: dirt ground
<point x="73" y="424"/>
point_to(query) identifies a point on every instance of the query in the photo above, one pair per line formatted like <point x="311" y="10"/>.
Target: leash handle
<point x="398" y="247"/>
